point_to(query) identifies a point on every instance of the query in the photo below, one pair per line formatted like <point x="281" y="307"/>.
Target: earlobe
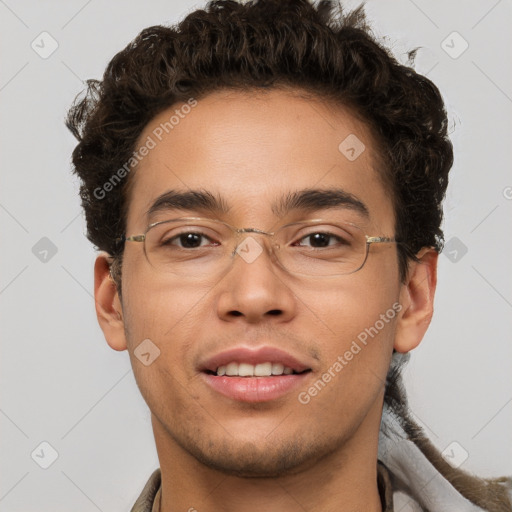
<point x="417" y="300"/>
<point x="108" y="306"/>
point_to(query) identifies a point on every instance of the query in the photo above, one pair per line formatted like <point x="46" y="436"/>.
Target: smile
<point x="254" y="375"/>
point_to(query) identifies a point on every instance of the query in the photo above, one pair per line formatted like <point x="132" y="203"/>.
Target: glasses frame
<point x="237" y="231"/>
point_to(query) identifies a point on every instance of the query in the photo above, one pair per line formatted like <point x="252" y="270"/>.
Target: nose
<point x="255" y="289"/>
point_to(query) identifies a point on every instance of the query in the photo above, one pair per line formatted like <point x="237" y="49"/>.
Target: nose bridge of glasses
<point x="245" y="243"/>
<point x="254" y="230"/>
<point x="244" y="233"/>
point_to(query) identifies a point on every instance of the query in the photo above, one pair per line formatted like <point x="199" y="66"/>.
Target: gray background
<point x="60" y="381"/>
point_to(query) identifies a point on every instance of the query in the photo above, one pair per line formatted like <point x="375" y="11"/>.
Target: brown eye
<point x="190" y="240"/>
<point x="320" y="240"/>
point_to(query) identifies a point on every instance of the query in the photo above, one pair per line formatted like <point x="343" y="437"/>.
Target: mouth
<point x="248" y="375"/>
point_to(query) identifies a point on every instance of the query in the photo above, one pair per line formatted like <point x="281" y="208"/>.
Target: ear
<point x="417" y="300"/>
<point x="108" y="306"/>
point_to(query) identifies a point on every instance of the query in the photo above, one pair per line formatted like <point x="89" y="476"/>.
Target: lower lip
<point x="254" y="389"/>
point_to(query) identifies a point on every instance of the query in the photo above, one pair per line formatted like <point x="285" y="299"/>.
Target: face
<point x="252" y="151"/>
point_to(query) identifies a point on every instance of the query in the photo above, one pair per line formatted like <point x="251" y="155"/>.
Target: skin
<point x="281" y="455"/>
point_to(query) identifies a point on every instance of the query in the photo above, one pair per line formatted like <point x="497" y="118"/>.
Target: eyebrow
<point x="319" y="199"/>
<point x="196" y="200"/>
<point x="306" y="200"/>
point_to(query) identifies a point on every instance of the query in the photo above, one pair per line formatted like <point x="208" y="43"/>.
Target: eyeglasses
<point x="194" y="247"/>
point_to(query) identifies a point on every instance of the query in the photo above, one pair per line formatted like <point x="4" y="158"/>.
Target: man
<point x="265" y="182"/>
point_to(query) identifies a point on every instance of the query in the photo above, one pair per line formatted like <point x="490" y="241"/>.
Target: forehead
<point x="252" y="149"/>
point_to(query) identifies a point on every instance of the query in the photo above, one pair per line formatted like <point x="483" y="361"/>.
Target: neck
<point x="345" y="480"/>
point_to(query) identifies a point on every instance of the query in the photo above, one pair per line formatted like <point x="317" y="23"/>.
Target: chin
<point x="270" y="459"/>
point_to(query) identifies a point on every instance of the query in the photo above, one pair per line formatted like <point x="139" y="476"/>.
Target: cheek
<point x="170" y="319"/>
<point x="169" y="316"/>
<point x="355" y="325"/>
<point x="344" y="309"/>
<point x="158" y="307"/>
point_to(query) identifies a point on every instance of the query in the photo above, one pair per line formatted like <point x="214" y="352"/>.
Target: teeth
<point x="245" y="370"/>
<point x="277" y="369"/>
<point x="232" y="369"/>
<point x="250" y="370"/>
<point x="263" y="370"/>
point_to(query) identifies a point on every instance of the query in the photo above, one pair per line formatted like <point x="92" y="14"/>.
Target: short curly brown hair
<point x="266" y="43"/>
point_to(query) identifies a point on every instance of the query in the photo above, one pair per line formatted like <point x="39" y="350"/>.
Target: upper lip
<point x="253" y="356"/>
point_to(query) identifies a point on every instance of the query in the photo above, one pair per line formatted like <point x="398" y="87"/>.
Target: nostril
<point x="272" y="312"/>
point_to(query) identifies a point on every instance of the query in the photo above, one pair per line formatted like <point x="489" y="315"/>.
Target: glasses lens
<point x="188" y="247"/>
<point x="322" y="248"/>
